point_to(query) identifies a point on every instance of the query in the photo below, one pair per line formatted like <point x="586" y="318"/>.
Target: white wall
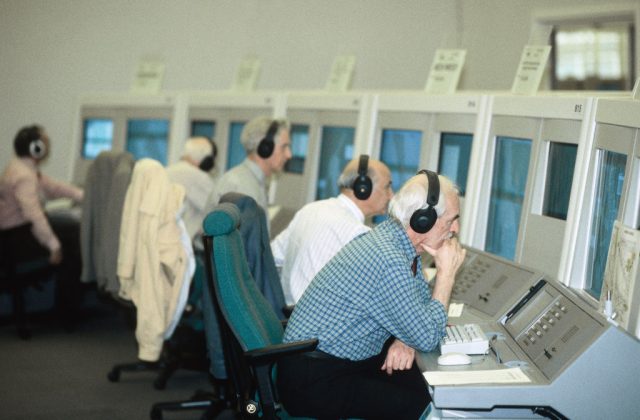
<point x="53" y="51"/>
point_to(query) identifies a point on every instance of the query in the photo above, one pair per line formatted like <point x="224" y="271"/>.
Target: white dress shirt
<point x="316" y="233"/>
<point x="199" y="189"/>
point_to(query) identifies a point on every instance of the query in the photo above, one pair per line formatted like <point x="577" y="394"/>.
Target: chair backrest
<point x="255" y="237"/>
<point x="104" y="193"/>
<point x="249" y="315"/>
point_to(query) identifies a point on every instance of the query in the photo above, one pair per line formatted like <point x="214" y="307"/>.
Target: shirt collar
<point x="352" y="207"/>
<point x="400" y="234"/>
<point x="255" y="170"/>
<point x="405" y="245"/>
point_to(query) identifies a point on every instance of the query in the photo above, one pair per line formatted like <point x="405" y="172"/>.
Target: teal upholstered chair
<point x="251" y="331"/>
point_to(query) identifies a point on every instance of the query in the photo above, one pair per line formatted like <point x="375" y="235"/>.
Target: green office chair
<point x="251" y="331"/>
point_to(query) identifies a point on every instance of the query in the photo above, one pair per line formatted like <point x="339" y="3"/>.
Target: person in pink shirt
<point x="23" y="191"/>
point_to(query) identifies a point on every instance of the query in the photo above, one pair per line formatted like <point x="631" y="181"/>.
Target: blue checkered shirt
<point x="366" y="294"/>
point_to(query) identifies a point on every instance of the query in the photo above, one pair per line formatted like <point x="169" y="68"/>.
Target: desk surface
<point x="595" y="384"/>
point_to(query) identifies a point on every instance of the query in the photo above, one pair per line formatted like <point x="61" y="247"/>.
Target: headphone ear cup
<point x="362" y="187"/>
<point x="37" y="149"/>
<point x="265" y="148"/>
<point x="422" y="220"/>
<point x="206" y="164"/>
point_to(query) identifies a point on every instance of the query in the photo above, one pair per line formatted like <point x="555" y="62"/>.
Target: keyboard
<point x="466" y="338"/>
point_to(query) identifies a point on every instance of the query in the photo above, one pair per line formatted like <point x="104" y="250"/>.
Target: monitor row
<point x="542" y="178"/>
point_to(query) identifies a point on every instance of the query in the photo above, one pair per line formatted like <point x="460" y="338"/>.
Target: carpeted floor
<point x="63" y="375"/>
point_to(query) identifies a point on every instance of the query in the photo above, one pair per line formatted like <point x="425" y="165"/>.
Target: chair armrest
<point x="273" y="353"/>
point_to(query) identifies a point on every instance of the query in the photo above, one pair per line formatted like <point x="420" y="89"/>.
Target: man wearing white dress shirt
<point x="320" y="229"/>
<point x="192" y="172"/>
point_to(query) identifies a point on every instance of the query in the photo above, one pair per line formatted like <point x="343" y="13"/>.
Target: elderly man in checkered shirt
<point x="370" y="299"/>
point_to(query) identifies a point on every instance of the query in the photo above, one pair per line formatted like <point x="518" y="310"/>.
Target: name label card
<point x="445" y="71"/>
<point x="148" y="77"/>
<point x="532" y="63"/>
<point x="341" y="73"/>
<point x="247" y="75"/>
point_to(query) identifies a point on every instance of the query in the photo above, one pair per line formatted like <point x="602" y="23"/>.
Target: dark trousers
<point x="326" y="387"/>
<point x="68" y="286"/>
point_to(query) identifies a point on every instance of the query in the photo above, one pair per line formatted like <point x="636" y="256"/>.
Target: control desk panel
<point x="576" y="363"/>
<point x="550" y="328"/>
<point x="487" y="283"/>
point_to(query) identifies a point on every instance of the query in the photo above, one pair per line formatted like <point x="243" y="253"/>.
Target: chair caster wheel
<point x="251" y="407"/>
<point x="113" y="376"/>
<point x="156" y="414"/>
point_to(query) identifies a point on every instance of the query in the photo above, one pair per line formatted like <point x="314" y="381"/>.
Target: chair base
<point x="201" y="400"/>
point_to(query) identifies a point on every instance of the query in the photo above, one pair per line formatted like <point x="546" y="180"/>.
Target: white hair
<point x="350" y="173"/>
<point x="413" y="196"/>
<point x="256" y="129"/>
<point x="197" y="148"/>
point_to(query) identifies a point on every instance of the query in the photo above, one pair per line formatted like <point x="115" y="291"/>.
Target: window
<point x="595" y="56"/>
<point x="201" y="128"/>
<point x="147" y="138"/>
<point x="562" y="160"/>
<point x="236" y="151"/>
<point x="336" y="151"/>
<point x="508" y="183"/>
<point x="609" y="183"/>
<point x="97" y="136"/>
<point x="299" y="145"/>
<point x="453" y="162"/>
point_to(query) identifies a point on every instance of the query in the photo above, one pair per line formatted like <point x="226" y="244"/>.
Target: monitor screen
<point x="335" y="151"/>
<point x="508" y="184"/>
<point x="453" y="162"/>
<point x="148" y="138"/>
<point x="97" y="136"/>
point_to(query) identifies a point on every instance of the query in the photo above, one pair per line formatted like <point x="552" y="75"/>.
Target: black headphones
<point x="267" y="144"/>
<point x="28" y="142"/>
<point x="207" y="163"/>
<point x="362" y="186"/>
<point x="422" y="220"/>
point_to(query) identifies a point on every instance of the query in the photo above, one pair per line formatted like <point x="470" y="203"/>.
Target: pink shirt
<point x="22" y="191"/>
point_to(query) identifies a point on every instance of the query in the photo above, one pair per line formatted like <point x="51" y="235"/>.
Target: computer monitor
<point x="525" y="186"/>
<point x="325" y="128"/>
<point x="148" y="138"/>
<point x="122" y="122"/>
<point x="221" y="116"/>
<point x="415" y="131"/>
<point x="608" y="193"/>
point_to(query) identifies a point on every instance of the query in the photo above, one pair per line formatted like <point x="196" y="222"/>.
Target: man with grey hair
<point x="267" y="144"/>
<point x="374" y="289"/>
<point x="321" y="228"/>
<point x="192" y="172"/>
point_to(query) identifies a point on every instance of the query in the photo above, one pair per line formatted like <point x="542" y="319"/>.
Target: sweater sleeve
<point x="26" y="193"/>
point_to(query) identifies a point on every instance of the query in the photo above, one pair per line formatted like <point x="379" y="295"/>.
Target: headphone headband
<point x="29" y="142"/>
<point x="267" y="144"/>
<point x="363" y="185"/>
<point x="433" y="194"/>
<point x="422" y="220"/>
<point x="208" y="162"/>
